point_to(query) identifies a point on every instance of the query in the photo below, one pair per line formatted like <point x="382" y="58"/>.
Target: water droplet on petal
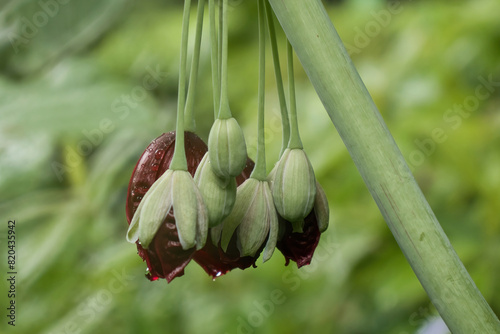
<point x="159" y="154"/>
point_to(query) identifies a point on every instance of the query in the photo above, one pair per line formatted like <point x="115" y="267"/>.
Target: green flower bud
<point x="174" y="190"/>
<point x="218" y="193"/>
<point x="294" y="186"/>
<point x="226" y="148"/>
<point x="321" y="208"/>
<point x="253" y="219"/>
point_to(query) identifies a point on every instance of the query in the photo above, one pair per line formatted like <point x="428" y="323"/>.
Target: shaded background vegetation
<point x="75" y="116"/>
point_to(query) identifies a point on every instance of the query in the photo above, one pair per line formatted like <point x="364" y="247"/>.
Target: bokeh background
<point x="75" y="115"/>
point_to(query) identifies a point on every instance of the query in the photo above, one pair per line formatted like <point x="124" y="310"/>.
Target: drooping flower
<point x="164" y="254"/>
<point x="300" y="246"/>
<point x="294" y="186"/>
<point x="254" y="220"/>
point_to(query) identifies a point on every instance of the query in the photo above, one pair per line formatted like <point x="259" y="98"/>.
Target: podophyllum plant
<point x="287" y="208"/>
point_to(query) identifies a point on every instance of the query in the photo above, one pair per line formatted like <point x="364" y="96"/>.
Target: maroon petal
<point x="299" y="247"/>
<point x="165" y="257"/>
<point x="155" y="161"/>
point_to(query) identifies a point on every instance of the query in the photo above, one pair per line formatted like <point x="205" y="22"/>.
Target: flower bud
<point x="253" y="219"/>
<point x="299" y="246"/>
<point x="176" y="191"/>
<point x="165" y="256"/>
<point x="226" y="148"/>
<point x="218" y="193"/>
<point x="294" y="186"/>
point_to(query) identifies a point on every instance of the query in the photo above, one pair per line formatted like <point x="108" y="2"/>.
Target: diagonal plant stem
<point x="383" y="167"/>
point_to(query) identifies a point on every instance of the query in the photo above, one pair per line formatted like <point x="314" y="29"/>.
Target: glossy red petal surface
<point x="299" y="247"/>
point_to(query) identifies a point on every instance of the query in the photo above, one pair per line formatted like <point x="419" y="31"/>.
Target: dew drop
<point x="159" y="154"/>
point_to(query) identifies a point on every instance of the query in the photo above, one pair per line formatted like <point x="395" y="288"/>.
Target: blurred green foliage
<point x="75" y="115"/>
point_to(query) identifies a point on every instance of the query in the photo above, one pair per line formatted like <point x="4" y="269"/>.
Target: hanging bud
<point x="176" y="191"/>
<point x="218" y="193"/>
<point x="165" y="256"/>
<point x="226" y="148"/>
<point x="300" y="246"/>
<point x="253" y="219"/>
<point x="294" y="186"/>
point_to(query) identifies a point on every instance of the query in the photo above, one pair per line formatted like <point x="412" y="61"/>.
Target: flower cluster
<point x="252" y="225"/>
<point x="212" y="204"/>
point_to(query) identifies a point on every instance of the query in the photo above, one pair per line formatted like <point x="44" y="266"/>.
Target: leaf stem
<point x="179" y="161"/>
<point x="285" y="124"/>
<point x="193" y="79"/>
<point x="295" y="141"/>
<point x="259" y="171"/>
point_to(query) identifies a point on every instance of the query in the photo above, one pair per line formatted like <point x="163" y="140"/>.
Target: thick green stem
<point x="259" y="171"/>
<point x="224" y="111"/>
<point x="179" y="159"/>
<point x="285" y="124"/>
<point x="193" y="79"/>
<point x="294" y="141"/>
<point x="383" y="167"/>
<point x="214" y="48"/>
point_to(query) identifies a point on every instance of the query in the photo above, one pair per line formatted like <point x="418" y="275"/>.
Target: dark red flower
<point x="299" y="247"/>
<point x="165" y="257"/>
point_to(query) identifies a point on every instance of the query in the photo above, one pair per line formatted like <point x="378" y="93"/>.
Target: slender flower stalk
<point x="179" y="159"/>
<point x="279" y="80"/>
<point x="193" y="79"/>
<point x="383" y="168"/>
<point x="295" y="141"/>
<point x="293" y="179"/>
<point x="259" y="171"/>
<point x="214" y="48"/>
<point x="220" y="33"/>
<point x="224" y="111"/>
